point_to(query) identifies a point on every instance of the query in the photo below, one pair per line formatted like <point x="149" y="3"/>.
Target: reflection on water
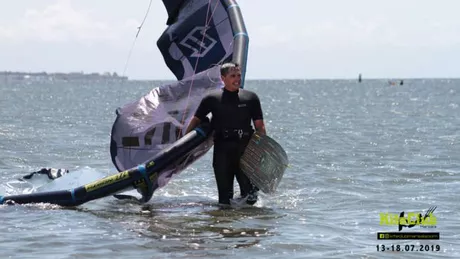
<point x="188" y="223"/>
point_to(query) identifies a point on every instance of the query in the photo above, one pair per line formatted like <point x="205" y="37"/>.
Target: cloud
<point x="60" y="23"/>
<point x="382" y="27"/>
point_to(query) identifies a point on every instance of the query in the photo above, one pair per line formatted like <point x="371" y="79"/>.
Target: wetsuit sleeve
<point x="204" y="108"/>
<point x="256" y="108"/>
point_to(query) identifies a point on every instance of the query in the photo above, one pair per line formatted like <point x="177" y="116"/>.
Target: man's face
<point x="232" y="79"/>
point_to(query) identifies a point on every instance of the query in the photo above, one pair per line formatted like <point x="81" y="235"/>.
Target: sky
<point x="289" y="39"/>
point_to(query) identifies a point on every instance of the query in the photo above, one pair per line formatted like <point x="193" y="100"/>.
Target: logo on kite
<point x="198" y="41"/>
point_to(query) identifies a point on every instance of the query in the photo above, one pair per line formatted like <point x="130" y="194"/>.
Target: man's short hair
<point x="225" y="68"/>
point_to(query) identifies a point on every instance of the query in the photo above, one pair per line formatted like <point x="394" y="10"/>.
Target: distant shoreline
<point x="44" y="77"/>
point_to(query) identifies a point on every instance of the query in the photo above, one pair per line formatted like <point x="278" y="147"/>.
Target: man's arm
<point x="203" y="109"/>
<point x="193" y="123"/>
<point x="257" y="115"/>
<point x="260" y="127"/>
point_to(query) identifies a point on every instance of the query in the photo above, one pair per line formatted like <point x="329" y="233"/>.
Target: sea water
<point x="356" y="150"/>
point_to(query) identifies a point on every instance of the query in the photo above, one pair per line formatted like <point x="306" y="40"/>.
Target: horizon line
<point x="247" y="79"/>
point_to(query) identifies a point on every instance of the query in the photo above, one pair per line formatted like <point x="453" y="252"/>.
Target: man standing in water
<point x="232" y="110"/>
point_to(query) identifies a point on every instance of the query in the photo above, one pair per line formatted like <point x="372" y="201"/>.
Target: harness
<point x="233" y="134"/>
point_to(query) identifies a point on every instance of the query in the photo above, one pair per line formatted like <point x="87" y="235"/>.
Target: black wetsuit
<point x="232" y="113"/>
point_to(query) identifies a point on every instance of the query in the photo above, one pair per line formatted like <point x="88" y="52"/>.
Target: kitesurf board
<point x="264" y="162"/>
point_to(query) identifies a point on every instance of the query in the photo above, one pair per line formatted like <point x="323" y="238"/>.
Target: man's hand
<point x="260" y="127"/>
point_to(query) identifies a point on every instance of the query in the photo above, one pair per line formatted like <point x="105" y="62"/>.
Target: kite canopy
<point x="201" y="35"/>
